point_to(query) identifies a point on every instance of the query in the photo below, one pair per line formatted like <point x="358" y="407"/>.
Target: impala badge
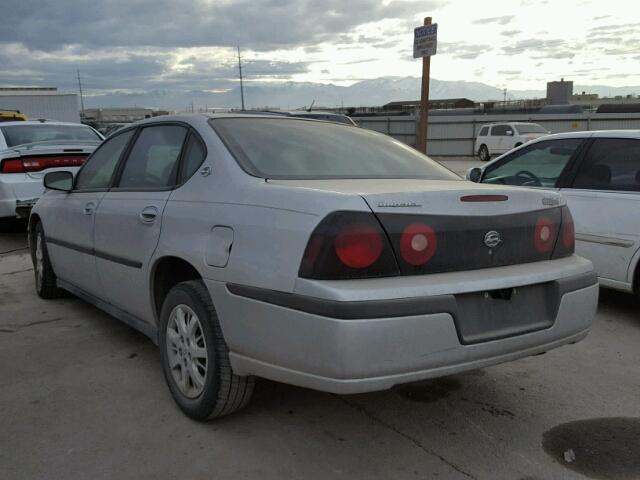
<point x="492" y="239"/>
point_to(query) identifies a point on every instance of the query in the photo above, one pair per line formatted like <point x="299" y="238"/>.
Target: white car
<point x="29" y="149"/>
<point x="306" y="252"/>
<point x="498" y="138"/>
<point x="598" y="173"/>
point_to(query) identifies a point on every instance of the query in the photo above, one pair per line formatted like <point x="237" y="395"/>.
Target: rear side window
<point x="193" y="157"/>
<point x="611" y="164"/>
<point x="499" y="130"/>
<point x="484" y="131"/>
<point x="538" y="165"/>
<point x="153" y="160"/>
<point x="98" y="171"/>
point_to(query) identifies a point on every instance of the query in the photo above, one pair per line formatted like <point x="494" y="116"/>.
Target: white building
<point x="41" y="102"/>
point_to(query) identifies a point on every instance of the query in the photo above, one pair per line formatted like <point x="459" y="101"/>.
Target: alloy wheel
<point x="186" y="351"/>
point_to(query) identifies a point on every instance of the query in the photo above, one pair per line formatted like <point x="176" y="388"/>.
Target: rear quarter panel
<point x="271" y="223"/>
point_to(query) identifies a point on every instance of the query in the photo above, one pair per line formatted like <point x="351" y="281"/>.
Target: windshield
<point x="529" y="128"/>
<point x="21" y="134"/>
<point x="289" y="148"/>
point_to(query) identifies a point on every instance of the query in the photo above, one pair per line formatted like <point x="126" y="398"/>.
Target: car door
<point x="539" y="164"/>
<point x="604" y="198"/>
<point x="71" y="229"/>
<point x="498" y="138"/>
<point x="129" y="218"/>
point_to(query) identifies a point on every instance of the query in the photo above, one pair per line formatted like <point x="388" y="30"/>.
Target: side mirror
<point x="61" y="180"/>
<point x="510" y="133"/>
<point x="474" y="174"/>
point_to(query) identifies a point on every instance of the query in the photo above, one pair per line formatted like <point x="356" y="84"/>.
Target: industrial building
<point x="41" y="102"/>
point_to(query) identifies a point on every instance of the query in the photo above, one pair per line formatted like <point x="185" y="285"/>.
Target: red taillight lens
<point x="12" y="166"/>
<point x="348" y="245"/>
<point x="418" y="244"/>
<point x="544" y="235"/>
<point x="359" y="245"/>
<point x="36" y="164"/>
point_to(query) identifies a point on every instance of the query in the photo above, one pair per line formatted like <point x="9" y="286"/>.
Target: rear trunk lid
<point x="443" y="226"/>
<point x="36" y="159"/>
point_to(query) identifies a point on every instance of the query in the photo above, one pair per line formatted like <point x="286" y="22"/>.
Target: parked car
<point x="497" y="138"/>
<point x="306" y="252"/>
<point x="599" y="175"/>
<point x="12" y="115"/>
<point x="29" y="149"/>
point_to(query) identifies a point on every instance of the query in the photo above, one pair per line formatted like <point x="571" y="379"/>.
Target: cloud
<point x="534" y="44"/>
<point x="510" y="33"/>
<point x="509" y="72"/>
<point x="500" y="20"/>
<point x="257" y="25"/>
<point x="462" y="50"/>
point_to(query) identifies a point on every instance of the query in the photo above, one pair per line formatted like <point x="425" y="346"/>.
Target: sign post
<point x="425" y="42"/>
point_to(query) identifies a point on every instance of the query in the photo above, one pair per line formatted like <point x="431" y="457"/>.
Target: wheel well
<point x="636" y="280"/>
<point x="170" y="271"/>
<point x="517" y="145"/>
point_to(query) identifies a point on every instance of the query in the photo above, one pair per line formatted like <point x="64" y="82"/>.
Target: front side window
<point x="289" y="148"/>
<point x="499" y="130"/>
<point x="611" y="164"/>
<point x="153" y="160"/>
<point x="484" y="131"/>
<point x="98" y="171"/>
<point x="538" y="165"/>
<point x="44" y="132"/>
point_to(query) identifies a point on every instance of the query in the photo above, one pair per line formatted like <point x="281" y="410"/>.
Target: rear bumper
<point x="18" y="194"/>
<point x="353" y="347"/>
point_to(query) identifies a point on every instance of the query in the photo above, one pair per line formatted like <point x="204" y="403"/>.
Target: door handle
<point x="89" y="208"/>
<point x="148" y="215"/>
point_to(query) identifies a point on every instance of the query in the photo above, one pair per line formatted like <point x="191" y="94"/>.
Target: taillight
<point x="565" y="245"/>
<point x="348" y="245"/>
<point x="418" y="244"/>
<point x="38" y="163"/>
<point x="359" y="245"/>
<point x="544" y="235"/>
<point x="12" y="166"/>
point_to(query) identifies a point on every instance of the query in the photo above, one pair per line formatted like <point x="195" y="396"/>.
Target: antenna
<point x="241" y="86"/>
<point x="311" y="106"/>
<point x="81" y="97"/>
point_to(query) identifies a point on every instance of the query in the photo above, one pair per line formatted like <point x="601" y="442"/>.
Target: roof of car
<point x="594" y="133"/>
<point x="190" y="116"/>
<point x="40" y="122"/>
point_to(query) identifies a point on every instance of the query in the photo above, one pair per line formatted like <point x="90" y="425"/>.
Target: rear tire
<point x="483" y="153"/>
<point x="195" y="356"/>
<point x="46" y="284"/>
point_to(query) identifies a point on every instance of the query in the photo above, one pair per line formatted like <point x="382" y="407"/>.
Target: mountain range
<point x="292" y="95"/>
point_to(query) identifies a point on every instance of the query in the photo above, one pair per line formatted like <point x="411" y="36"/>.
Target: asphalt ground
<point x="83" y="396"/>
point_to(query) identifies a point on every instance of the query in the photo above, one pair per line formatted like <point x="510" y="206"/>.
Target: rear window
<point x="287" y="148"/>
<point x="484" y="131"/>
<point x="30" y="133"/>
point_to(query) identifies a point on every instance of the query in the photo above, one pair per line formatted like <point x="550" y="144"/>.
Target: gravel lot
<point x="82" y="396"/>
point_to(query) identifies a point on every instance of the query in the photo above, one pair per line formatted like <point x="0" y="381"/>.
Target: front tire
<point x="195" y="356"/>
<point x="46" y="284"/>
<point x="483" y="153"/>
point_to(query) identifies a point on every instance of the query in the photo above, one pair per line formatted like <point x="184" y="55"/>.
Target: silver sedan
<point x="306" y="252"/>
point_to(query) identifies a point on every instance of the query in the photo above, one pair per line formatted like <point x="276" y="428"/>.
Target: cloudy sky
<point x="141" y="45"/>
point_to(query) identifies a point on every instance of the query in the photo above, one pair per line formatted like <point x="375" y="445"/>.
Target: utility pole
<point x="81" y="97"/>
<point x="424" y="99"/>
<point x="241" y="86"/>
